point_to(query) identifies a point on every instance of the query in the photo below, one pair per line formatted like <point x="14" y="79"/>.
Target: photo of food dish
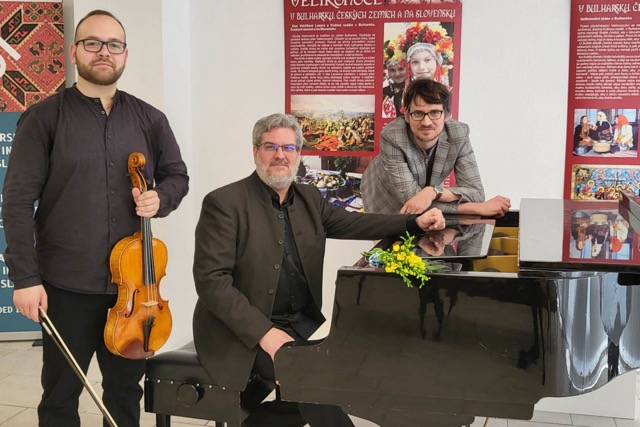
<point x="600" y="234"/>
<point x="606" y="132"/>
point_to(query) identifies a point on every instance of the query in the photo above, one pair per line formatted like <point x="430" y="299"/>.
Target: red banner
<point x="347" y="63"/>
<point x="604" y="100"/>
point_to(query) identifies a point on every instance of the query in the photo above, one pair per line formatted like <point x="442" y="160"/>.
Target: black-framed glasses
<point x="272" y="148"/>
<point x="419" y="115"/>
<point x="92" y="45"/>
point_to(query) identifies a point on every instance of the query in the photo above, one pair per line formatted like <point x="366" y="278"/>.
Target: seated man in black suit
<point x="258" y="263"/>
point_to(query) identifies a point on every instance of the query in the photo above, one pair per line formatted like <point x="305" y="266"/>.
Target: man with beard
<point x="418" y="151"/>
<point x="70" y="157"/>
<point x="258" y="268"/>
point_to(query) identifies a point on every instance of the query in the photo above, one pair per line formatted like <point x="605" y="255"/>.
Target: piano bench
<point x="177" y="384"/>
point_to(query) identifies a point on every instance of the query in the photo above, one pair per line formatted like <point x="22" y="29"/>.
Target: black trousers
<point x="80" y="320"/>
<point x="291" y="414"/>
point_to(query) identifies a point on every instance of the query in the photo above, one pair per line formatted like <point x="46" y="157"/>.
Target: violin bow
<point x="51" y="330"/>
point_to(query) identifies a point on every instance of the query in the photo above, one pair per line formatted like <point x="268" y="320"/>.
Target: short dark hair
<point x="430" y="91"/>
<point x="99" y="12"/>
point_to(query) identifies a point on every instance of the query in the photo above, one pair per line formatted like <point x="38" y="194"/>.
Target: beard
<point x="99" y="78"/>
<point x="277" y="181"/>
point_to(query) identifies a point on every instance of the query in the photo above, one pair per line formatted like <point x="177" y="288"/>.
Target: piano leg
<point x="163" y="420"/>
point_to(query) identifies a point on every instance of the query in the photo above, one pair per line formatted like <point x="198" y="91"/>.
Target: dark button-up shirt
<point x="70" y="157"/>
<point x="292" y="294"/>
<point x="291" y="305"/>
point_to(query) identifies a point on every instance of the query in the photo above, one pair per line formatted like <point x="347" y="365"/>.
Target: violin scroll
<point x="134" y="164"/>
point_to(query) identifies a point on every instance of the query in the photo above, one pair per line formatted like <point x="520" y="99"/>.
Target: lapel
<point x="441" y="160"/>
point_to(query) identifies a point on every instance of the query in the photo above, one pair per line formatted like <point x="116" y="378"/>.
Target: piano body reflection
<point x="489" y="337"/>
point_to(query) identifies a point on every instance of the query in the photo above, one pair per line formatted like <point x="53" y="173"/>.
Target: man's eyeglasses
<point x="419" y="115"/>
<point x="91" y="45"/>
<point x="272" y="148"/>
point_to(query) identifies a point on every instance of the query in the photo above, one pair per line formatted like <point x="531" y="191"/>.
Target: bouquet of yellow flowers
<point x="400" y="260"/>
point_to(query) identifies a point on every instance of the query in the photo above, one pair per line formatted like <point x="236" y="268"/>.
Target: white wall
<point x="513" y="93"/>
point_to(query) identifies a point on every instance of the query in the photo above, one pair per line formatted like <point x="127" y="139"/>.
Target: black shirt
<point x="70" y="157"/>
<point x="292" y="294"/>
<point x="292" y="305"/>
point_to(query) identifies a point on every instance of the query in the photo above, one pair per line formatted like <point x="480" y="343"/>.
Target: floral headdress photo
<point x="419" y="37"/>
<point x="423" y="50"/>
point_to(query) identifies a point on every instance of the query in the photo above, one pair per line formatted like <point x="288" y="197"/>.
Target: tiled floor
<point x="20" y="391"/>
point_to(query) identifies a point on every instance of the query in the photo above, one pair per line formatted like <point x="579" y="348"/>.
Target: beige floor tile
<point x="20" y="390"/>
<point x="8" y="412"/>
<point x="551" y="417"/>
<point x="28" y="417"/>
<point x="520" y="423"/>
<point x="620" y="422"/>
<point x="359" y="422"/>
<point x="591" y="421"/>
<point x="90" y="420"/>
<point x="18" y="345"/>
<point x="493" y="422"/>
<point x="21" y="362"/>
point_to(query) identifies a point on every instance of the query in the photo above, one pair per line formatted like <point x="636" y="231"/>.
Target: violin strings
<point x="150" y="279"/>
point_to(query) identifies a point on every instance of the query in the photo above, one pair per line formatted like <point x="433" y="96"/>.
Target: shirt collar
<point x="116" y="96"/>
<point x="275" y="197"/>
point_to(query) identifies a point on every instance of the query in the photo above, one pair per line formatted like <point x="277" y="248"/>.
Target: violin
<point x="140" y="321"/>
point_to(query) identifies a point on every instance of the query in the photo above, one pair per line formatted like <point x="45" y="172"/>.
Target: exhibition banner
<point x="31" y="68"/>
<point x="347" y="65"/>
<point x="604" y="100"/>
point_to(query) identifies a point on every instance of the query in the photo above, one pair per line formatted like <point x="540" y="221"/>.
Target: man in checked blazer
<point x="417" y="152"/>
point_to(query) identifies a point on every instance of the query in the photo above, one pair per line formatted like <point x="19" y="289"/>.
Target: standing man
<point x="417" y="152"/>
<point x="70" y="156"/>
<point x="258" y="267"/>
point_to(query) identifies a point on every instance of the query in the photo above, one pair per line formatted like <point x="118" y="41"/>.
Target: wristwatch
<point x="439" y="190"/>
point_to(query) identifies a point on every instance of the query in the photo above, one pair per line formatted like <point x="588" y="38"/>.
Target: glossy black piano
<point x="552" y="311"/>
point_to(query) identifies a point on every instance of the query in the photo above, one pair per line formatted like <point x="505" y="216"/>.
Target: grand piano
<point x="541" y="303"/>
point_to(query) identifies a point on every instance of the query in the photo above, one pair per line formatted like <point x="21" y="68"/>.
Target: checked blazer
<point x="399" y="172"/>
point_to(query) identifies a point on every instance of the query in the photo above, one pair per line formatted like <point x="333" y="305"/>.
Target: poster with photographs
<point x="604" y="100"/>
<point x="598" y="231"/>
<point x="347" y="65"/>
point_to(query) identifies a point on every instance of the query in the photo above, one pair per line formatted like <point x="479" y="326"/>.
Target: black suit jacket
<point x="238" y="251"/>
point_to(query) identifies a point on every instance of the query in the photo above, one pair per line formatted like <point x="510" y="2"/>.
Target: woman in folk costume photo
<point x="424" y="51"/>
<point x="623" y="134"/>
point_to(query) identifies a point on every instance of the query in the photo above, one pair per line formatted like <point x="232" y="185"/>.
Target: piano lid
<point x="558" y="234"/>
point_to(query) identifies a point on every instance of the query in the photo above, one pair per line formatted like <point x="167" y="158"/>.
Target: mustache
<point x="282" y="162"/>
